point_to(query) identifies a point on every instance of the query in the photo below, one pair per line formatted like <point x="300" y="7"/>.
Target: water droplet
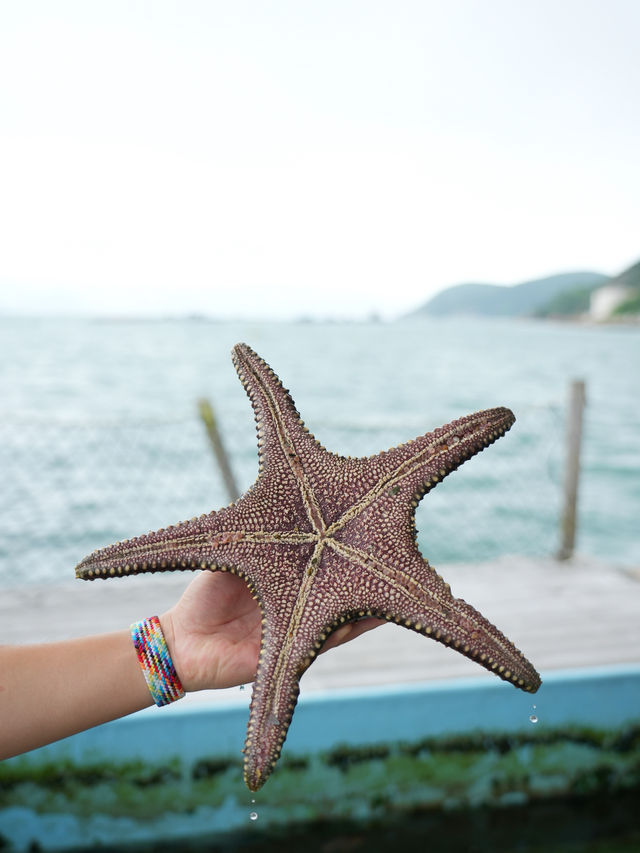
<point x="533" y="718"/>
<point x="252" y="800"/>
<point x="253" y="816"/>
<point x="242" y="687"/>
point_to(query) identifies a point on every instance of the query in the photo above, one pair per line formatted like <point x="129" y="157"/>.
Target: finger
<point x="351" y="630"/>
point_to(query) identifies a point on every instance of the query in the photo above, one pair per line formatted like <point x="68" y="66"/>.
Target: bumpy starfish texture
<point x="322" y="540"/>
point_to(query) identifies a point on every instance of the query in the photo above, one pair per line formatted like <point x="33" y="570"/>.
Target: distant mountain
<point x="518" y="300"/>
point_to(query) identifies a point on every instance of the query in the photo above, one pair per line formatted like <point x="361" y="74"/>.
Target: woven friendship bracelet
<point x="155" y="661"/>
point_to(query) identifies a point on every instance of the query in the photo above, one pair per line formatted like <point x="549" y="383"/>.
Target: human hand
<point x="213" y="632"/>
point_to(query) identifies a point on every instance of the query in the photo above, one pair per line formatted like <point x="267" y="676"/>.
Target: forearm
<point x="50" y="691"/>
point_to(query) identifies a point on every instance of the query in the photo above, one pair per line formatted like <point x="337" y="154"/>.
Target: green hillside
<point x="629" y="278"/>
<point x="630" y="306"/>
<point x="569" y="303"/>
<point x="572" y="303"/>
<point x="519" y="300"/>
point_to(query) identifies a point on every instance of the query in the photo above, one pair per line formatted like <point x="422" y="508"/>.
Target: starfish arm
<point x="405" y="589"/>
<point x="201" y="543"/>
<point x="407" y="472"/>
<point x="431" y="610"/>
<point x="286" y="449"/>
<point x="237" y="537"/>
<point x="411" y="593"/>
<point x="415" y="596"/>
<point x="458" y="625"/>
<point x="439" y="452"/>
<point x="283" y="659"/>
<point x="291" y="638"/>
<point x="178" y="546"/>
<point x="296" y="624"/>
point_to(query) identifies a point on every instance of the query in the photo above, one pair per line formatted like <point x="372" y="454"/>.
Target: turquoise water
<point x="99" y="438"/>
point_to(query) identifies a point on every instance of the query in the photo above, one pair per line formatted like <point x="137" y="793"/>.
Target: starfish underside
<point x="321" y="540"/>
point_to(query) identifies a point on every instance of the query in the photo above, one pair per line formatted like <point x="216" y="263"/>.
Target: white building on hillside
<point x="606" y="299"/>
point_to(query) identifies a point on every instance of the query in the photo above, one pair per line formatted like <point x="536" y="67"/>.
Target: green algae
<point x="344" y="782"/>
<point x="126" y="789"/>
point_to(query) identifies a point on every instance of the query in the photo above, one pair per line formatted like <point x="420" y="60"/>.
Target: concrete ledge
<point x="176" y="772"/>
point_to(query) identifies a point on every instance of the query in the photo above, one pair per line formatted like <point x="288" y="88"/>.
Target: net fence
<point x="71" y="486"/>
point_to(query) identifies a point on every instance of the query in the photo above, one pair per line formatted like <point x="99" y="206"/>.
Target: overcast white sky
<point x="333" y="158"/>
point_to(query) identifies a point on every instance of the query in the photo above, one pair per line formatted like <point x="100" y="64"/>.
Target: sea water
<point x="99" y="437"/>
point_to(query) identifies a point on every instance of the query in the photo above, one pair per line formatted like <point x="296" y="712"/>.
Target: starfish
<point x="321" y="540"/>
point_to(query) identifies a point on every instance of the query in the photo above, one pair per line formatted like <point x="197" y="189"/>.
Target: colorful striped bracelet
<point x="155" y="661"/>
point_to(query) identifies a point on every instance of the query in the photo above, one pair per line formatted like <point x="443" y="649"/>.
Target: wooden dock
<point x="576" y="613"/>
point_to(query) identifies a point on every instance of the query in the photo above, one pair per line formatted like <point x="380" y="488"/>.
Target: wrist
<point x="170" y="631"/>
<point x="154" y="656"/>
<point x="166" y="624"/>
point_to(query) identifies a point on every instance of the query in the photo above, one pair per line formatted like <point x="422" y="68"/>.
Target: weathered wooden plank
<point x="583" y="613"/>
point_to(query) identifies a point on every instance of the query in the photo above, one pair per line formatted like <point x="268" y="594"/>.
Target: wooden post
<point x="577" y="399"/>
<point x="209" y="419"/>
